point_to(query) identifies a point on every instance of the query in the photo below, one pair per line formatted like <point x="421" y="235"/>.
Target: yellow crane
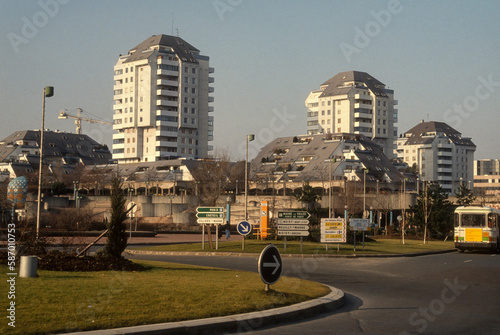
<point x="78" y="119"/>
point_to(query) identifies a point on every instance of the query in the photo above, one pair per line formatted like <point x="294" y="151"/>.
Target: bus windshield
<point x="473" y="220"/>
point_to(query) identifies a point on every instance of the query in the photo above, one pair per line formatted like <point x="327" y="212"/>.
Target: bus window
<point x="473" y="220"/>
<point x="492" y="220"/>
<point x="456" y="219"/>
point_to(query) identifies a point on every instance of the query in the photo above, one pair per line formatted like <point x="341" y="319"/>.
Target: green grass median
<point x="69" y="301"/>
<point x="380" y="246"/>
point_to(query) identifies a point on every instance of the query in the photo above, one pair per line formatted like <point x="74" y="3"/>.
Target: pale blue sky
<point x="440" y="57"/>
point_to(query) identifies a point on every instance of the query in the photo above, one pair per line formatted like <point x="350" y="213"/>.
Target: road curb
<point x="243" y="254"/>
<point x="236" y="323"/>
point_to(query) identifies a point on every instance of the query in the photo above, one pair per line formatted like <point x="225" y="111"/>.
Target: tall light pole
<point x="364" y="192"/>
<point x="249" y="138"/>
<point x="48" y="91"/>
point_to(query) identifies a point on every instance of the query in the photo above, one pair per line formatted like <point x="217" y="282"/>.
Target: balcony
<point x="165" y="112"/>
<point x="443" y="178"/>
<point x="164" y="61"/>
<point x="211" y="80"/>
<point x="394" y="102"/>
<point x="362" y="97"/>
<point x="444" y="170"/>
<point x="162" y="72"/>
<point x="362" y="124"/>
<point x="361" y="105"/>
<point x="364" y="113"/>
<point x="117" y="136"/>
<point x="211" y="89"/>
<point x="211" y="99"/>
<point x="166" y="133"/>
<point x="167" y="93"/>
<point x="166" y="143"/>
<point x="211" y="70"/>
<point x="167" y="103"/>
<point x="210" y="109"/>
<point x="165" y="123"/>
<point x="166" y="82"/>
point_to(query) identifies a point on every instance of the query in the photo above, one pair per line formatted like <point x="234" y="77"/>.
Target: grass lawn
<point x="380" y="246"/>
<point x="71" y="301"/>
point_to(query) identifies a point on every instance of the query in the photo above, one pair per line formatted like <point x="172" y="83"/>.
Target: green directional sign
<point x="210" y="210"/>
<point x="294" y="215"/>
<point x="209" y="215"/>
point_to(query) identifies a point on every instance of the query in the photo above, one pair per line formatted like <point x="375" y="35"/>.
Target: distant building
<point x="354" y="102"/>
<point x="161" y="102"/>
<point x="487" y="176"/>
<point x="440" y="153"/>
<point x="288" y="162"/>
<point x="63" y="152"/>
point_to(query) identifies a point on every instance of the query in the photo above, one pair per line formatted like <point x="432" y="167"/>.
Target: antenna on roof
<point x="177" y="32"/>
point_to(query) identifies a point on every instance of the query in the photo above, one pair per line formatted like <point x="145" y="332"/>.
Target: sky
<point x="440" y="58"/>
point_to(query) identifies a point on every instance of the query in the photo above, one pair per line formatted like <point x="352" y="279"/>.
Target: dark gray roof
<point x="57" y="146"/>
<point x="283" y="154"/>
<point x="182" y="49"/>
<point x="422" y="134"/>
<point x="336" y="84"/>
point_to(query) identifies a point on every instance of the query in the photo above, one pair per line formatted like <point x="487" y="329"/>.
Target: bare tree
<point x="213" y="178"/>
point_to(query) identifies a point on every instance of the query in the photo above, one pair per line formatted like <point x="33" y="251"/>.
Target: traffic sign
<point x="294" y="215"/>
<point x="244" y="228"/>
<point x="210" y="220"/>
<point x="293" y="233"/>
<point x="359" y="224"/>
<point x="210" y="209"/>
<point x="270" y="265"/>
<point x="209" y="215"/>
<point x="293" y="221"/>
<point x="333" y="231"/>
<point x="293" y="227"/>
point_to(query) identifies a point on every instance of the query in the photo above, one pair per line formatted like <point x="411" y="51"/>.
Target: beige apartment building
<point x="440" y="153"/>
<point x="354" y="102"/>
<point x="162" y="102"/>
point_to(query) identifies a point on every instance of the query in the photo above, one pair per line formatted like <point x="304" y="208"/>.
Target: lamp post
<point x="249" y="138"/>
<point x="364" y="193"/>
<point x="48" y="91"/>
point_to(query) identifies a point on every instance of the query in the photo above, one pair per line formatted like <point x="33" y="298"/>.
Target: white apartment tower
<point x="440" y="153"/>
<point x="354" y="102"/>
<point x="161" y="102"/>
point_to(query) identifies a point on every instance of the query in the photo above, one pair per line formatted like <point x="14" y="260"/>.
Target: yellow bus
<point x="477" y="228"/>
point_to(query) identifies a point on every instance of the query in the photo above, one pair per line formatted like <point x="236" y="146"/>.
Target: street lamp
<point x="249" y="138"/>
<point x="48" y="91"/>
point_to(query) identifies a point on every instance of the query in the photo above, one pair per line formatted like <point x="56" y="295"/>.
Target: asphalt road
<point x="450" y="293"/>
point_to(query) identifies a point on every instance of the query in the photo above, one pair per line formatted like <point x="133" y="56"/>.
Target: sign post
<point x="244" y="228"/>
<point x="359" y="225"/>
<point x="333" y="231"/>
<point x="270" y="265"/>
<point x="293" y="223"/>
<point x="210" y="215"/>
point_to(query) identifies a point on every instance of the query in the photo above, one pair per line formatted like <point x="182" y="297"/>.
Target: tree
<point x="117" y="236"/>
<point x="464" y="195"/>
<point x="308" y="195"/>
<point x="212" y="177"/>
<point x="433" y="202"/>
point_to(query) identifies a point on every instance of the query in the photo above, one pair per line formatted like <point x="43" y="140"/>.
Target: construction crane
<point x="78" y="119"/>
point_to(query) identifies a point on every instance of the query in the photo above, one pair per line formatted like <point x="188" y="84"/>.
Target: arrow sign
<point x="294" y="215"/>
<point x="210" y="209"/>
<point x="209" y="215"/>
<point x="270" y="265"/>
<point x="244" y="228"/>
<point x="276" y="265"/>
